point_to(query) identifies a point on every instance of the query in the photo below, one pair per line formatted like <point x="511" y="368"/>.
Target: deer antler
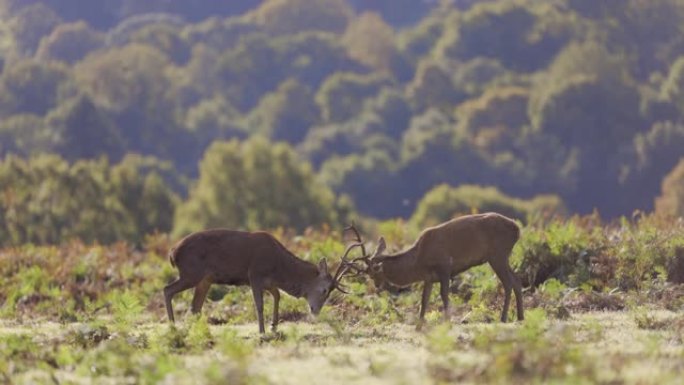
<point x="346" y="265"/>
<point x="352" y="228"/>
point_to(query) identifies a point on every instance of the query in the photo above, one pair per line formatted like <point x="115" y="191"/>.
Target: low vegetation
<point x="604" y="304"/>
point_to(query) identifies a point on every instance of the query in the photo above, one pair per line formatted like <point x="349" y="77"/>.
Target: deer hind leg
<point x="517" y="288"/>
<point x="276" y="300"/>
<point x="503" y="271"/>
<point x="171" y="290"/>
<point x="258" y="294"/>
<point x="200" y="295"/>
<point x="444" y="293"/>
<point x="427" y="289"/>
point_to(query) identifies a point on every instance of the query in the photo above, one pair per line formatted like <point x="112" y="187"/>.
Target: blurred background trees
<point x="417" y="109"/>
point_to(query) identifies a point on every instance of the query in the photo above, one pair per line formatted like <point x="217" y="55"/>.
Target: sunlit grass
<point x="597" y="347"/>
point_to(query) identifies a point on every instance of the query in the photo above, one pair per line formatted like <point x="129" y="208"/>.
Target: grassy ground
<point x="630" y="347"/>
<point x="604" y="304"/>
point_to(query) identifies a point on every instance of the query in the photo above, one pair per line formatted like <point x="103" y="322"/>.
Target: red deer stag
<point x="242" y="258"/>
<point x="445" y="250"/>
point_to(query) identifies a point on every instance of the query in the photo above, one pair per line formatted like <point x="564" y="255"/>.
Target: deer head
<point x="318" y="290"/>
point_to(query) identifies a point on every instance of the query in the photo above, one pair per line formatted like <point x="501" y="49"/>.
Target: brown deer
<point x="243" y="258"/>
<point x="445" y="250"/>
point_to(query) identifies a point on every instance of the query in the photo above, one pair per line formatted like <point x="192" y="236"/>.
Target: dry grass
<point x="595" y="347"/>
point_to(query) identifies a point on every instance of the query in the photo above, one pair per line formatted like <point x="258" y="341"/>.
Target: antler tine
<point x="352" y="228"/>
<point x="345" y="264"/>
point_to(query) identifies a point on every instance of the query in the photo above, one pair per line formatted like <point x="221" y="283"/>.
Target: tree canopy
<point x="370" y="102"/>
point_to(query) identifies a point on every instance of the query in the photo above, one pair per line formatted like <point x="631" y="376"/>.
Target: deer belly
<point x="231" y="280"/>
<point x="234" y="282"/>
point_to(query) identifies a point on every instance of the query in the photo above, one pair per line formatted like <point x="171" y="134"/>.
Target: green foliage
<point x="255" y="185"/>
<point x="534" y="96"/>
<point x="378" y="52"/>
<point x="70" y="42"/>
<point x="126" y="307"/>
<point x="33" y="87"/>
<point x="29" y="24"/>
<point x="511" y="32"/>
<point x="286" y="114"/>
<point x="671" y="201"/>
<point x="199" y="335"/>
<point x="559" y="250"/>
<point x="114" y="203"/>
<point x="444" y="202"/>
<point x="290" y="16"/>
<point x="432" y="87"/>
<point x="342" y="95"/>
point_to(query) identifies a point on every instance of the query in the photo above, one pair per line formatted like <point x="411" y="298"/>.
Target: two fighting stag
<point x="259" y="260"/>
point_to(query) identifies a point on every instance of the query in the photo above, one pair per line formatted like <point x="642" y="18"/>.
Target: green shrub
<point x="444" y="202"/>
<point x="560" y="250"/>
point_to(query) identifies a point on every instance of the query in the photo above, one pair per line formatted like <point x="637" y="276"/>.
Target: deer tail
<point x="172" y="257"/>
<point x="517" y="231"/>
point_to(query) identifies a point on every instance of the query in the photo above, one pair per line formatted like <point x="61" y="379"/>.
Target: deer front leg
<point x="258" y="294"/>
<point x="276" y="300"/>
<point x="427" y="289"/>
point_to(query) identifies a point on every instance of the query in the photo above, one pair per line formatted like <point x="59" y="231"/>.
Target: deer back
<point x="467" y="241"/>
<point x="231" y="257"/>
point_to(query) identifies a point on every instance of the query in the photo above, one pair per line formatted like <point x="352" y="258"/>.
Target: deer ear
<point x="381" y="247"/>
<point x="323" y="267"/>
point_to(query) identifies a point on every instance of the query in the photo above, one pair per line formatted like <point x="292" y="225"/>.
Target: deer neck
<point x="294" y="275"/>
<point x="402" y="269"/>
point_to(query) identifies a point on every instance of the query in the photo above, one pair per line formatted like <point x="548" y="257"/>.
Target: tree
<point x="671" y="201"/>
<point x="33" y="87"/>
<point x="499" y="109"/>
<point x="285" y="114"/>
<point x="84" y="131"/>
<point x="311" y="57"/>
<point x="213" y="119"/>
<point x="70" y="43"/>
<point x="138" y="183"/>
<point x="30" y="24"/>
<point x="292" y="16"/>
<point x="254" y="185"/>
<point x="432" y="87"/>
<point x="134" y="85"/>
<point x="342" y="95"/>
<point x="523" y="37"/>
<point x="392" y="111"/>
<point x="397" y="12"/>
<point x="656" y="153"/>
<point x="476" y="76"/>
<point x="445" y="202"/>
<point x="46" y="200"/>
<point x="672" y="89"/>
<point x="24" y="134"/>
<point x="371" y="41"/>
<point x="323" y="142"/>
<point x="591" y="105"/>
<point x="166" y="37"/>
<point x="419" y="41"/>
<point x="370" y="180"/>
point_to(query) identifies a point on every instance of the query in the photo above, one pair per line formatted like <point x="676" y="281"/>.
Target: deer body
<point x="446" y="250"/>
<point x="242" y="258"/>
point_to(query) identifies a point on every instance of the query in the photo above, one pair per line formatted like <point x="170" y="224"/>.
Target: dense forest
<point x="119" y="118"/>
